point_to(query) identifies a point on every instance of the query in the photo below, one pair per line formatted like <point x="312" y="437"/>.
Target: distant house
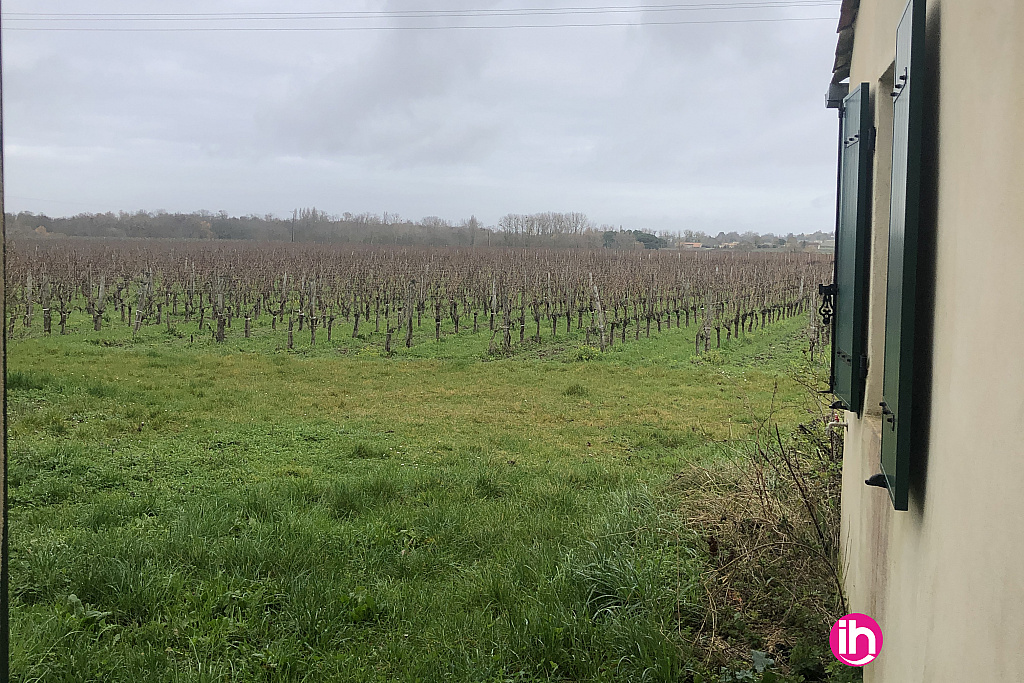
<point x="728" y="245"/>
<point x="692" y="245"/>
<point x="928" y="324"/>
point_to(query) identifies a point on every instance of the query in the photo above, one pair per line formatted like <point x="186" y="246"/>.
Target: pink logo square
<point x="856" y="639"/>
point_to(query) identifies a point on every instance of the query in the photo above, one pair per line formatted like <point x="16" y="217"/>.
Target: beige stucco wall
<point x="945" y="579"/>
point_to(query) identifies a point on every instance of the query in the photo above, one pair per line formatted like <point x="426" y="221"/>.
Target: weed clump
<point x="28" y="380"/>
<point x="100" y="389"/>
<point x="587" y="353"/>
<point x="575" y="390"/>
<point x="713" y="357"/>
<point x="365" y="451"/>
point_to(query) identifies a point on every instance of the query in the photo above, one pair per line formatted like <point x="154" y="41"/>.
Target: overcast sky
<point x="704" y="126"/>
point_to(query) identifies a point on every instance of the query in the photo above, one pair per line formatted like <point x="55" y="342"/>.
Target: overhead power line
<point x="414" y="14"/>
<point x="335" y="21"/>
<point x="184" y="29"/>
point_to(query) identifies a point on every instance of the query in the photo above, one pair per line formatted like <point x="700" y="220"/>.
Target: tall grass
<point x="768" y="520"/>
<point x="276" y="581"/>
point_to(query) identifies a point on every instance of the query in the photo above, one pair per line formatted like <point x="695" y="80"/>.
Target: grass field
<point x="188" y="511"/>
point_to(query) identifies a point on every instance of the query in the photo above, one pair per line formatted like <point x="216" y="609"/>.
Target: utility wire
<point x="411" y="14"/>
<point x="180" y="29"/>
<point x="140" y="20"/>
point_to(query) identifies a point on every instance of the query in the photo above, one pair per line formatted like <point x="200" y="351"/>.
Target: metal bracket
<point x="890" y="416"/>
<point x="901" y="83"/>
<point x="828" y="303"/>
<point x="878" y="480"/>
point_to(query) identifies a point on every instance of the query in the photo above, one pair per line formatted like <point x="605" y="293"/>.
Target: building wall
<point x="945" y="579"/>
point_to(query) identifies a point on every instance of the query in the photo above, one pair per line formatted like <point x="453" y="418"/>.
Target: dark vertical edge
<point x="5" y="633"/>
<point x="907" y="432"/>
<point x="924" y="322"/>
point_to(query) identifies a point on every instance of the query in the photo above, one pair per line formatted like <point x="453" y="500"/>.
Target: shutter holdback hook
<point x="828" y="303"/>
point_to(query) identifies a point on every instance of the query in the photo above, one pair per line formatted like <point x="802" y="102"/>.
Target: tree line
<point x="311" y="225"/>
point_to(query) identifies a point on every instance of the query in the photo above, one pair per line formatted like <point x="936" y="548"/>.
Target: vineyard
<point x="306" y="295"/>
<point x="273" y="462"/>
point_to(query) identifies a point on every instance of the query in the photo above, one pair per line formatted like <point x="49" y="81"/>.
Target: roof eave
<point x="844" y="45"/>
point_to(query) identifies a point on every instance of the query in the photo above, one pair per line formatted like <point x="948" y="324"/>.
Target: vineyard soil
<point x="187" y="510"/>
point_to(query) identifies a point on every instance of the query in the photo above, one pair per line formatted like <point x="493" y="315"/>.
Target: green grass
<point x="188" y="511"/>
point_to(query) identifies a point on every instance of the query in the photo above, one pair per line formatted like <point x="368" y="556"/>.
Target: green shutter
<point x="901" y="293"/>
<point x="849" y="362"/>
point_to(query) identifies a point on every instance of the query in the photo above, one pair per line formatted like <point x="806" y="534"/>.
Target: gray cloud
<point x="407" y="100"/>
<point x="717" y="127"/>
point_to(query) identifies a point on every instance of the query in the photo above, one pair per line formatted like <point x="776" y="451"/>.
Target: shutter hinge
<point x="872" y="135"/>
<point x="890" y="416"/>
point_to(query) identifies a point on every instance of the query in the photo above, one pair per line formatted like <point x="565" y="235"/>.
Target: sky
<point x="687" y="116"/>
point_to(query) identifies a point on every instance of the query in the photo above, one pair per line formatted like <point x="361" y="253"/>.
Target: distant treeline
<point x="305" y="225"/>
<point x="550" y="229"/>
